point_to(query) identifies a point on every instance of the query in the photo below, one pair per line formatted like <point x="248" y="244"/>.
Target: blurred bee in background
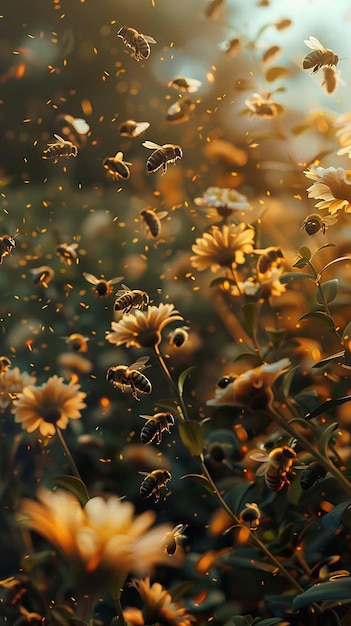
<point x="155" y="426"/>
<point x="214" y="9"/>
<point x="77" y="342"/>
<point x="117" y="167"/>
<point x="168" y="153"/>
<point x="140" y="44"/>
<point x="152" y="221"/>
<point x="72" y="129"/>
<point x="319" y="57"/>
<point x="224" y="381"/>
<point x="231" y="47"/>
<point x="154" y="482"/>
<point x="102" y="287"/>
<point x="172" y="539"/>
<point x="312" y="475"/>
<point x="315" y="222"/>
<point x="180" y="111"/>
<point x="130" y="376"/>
<point x="67" y="253"/>
<point x="250" y="516"/>
<point x="277" y="468"/>
<point x="60" y="148"/>
<point x="269" y="258"/>
<point x="43" y="275"/>
<point x="7" y="244"/>
<point x="128" y="299"/>
<point x="5" y="364"/>
<point x="130" y="128"/>
<point x="178" y="336"/>
<point x="187" y="85"/>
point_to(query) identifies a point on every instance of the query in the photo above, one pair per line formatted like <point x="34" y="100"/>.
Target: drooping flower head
<point x="158" y="607"/>
<point x="333" y="188"/>
<point x="143" y="329"/>
<point x="253" y="389"/>
<point x="223" y="247"/>
<point x="49" y="406"/>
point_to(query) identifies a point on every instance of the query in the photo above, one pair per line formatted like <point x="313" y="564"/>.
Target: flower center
<point x="51" y="414"/>
<point x="149" y="339"/>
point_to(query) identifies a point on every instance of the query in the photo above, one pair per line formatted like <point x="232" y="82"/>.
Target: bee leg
<point x="134" y="392"/>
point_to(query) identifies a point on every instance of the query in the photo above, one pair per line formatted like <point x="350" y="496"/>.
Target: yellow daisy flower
<point x="12" y="382"/>
<point x="158" y="607"/>
<point x="143" y="329"/>
<point x="333" y="188"/>
<point x="223" y="247"/>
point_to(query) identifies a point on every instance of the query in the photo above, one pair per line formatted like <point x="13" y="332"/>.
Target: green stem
<point x="68" y="453"/>
<point x="321" y="293"/>
<point x="304" y="443"/>
<point x="183" y="410"/>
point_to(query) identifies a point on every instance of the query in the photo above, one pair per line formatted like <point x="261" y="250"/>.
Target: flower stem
<point x="68" y="453"/>
<point x="183" y="410"/>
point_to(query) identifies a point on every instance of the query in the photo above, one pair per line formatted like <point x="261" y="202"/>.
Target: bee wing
<point x="151" y="145"/>
<point x="90" y="278"/>
<point x="260" y="457"/>
<point x="113" y="281"/>
<point x="122" y="291"/>
<point x="139" y="364"/>
<point x="60" y="139"/>
<point x="118" y="156"/>
<point x="175" y="108"/>
<point x="314" y="43"/>
<point x="262" y="469"/>
<point x="141" y="127"/>
<point x="162" y="214"/>
<point x="149" y="39"/>
<point x="146" y="417"/>
<point x="144" y="473"/>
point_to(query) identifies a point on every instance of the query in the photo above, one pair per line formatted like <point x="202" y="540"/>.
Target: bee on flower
<point x="263" y="106"/>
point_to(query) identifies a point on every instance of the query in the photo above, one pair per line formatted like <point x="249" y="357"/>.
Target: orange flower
<point x="333" y="188"/>
<point x="143" y="329"/>
<point x="48" y="406"/>
<point x="158" y="606"/>
<point x="223" y="247"/>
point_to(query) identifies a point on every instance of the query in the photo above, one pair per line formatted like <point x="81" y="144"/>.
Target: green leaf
<point x="75" y="485"/>
<point x="346" y="336"/>
<point x="327" y="406"/>
<point x="305" y="253"/>
<point x="287" y="380"/>
<point x="236" y="497"/>
<point x="341" y="258"/>
<point x="320" y="317"/>
<point x="329" y="290"/>
<point x="333" y="519"/>
<point x="276" y="72"/>
<point x="325" y="437"/>
<point x="326" y="245"/>
<point x="192" y="436"/>
<point x="338" y="357"/>
<point x="300" y="263"/>
<point x="182" y="378"/>
<point x="289" y="277"/>
<point x="338" y="589"/>
<point x="250" y="312"/>
<point x="200" y="479"/>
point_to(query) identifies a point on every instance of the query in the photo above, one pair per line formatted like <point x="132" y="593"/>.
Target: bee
<point x="140" y="44"/>
<point x="155" y="426"/>
<point x="73" y="129"/>
<point x="67" y="253"/>
<point x="168" y="153"/>
<point x="231" y="46"/>
<point x="271" y="257"/>
<point x="154" y="482"/>
<point x="102" y="287"/>
<point x="5" y="364"/>
<point x="277" y="468"/>
<point x="60" y="148"/>
<point x="116" y="167"/>
<point x="178" y="336"/>
<point x="172" y="538"/>
<point x="250" y="516"/>
<point x="43" y="275"/>
<point x="315" y="222"/>
<point x="123" y="376"/>
<point x="224" y="381"/>
<point x="312" y="475"/>
<point x="7" y="244"/>
<point x="187" y="85"/>
<point x="319" y="57"/>
<point x="180" y="111"/>
<point x="130" y="128"/>
<point x="128" y="299"/>
<point x="214" y="9"/>
<point x="152" y="221"/>
<point x="77" y="342"/>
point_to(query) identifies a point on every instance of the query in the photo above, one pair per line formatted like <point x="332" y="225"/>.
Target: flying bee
<point x="102" y="287"/>
<point x="172" y="538"/>
<point x="73" y="129"/>
<point x="130" y="376"/>
<point x="187" y="85"/>
<point x="128" y="299"/>
<point x="180" y="111"/>
<point x="250" y="516"/>
<point x="7" y="244"/>
<point x="77" y="342"/>
<point x="277" y="468"/>
<point x="152" y="221"/>
<point x="168" y="153"/>
<point x="60" y="148"/>
<point x="319" y="57"/>
<point x="130" y="128"/>
<point x="140" y="44"/>
<point x="116" y="167"/>
<point x="271" y="257"/>
<point x="43" y="275"/>
<point x="154" y="482"/>
<point x="67" y="253"/>
<point x="178" y="336"/>
<point x="5" y="364"/>
<point x="155" y="426"/>
<point x="231" y="46"/>
<point x="224" y="381"/>
<point x="315" y="222"/>
<point x="312" y="475"/>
